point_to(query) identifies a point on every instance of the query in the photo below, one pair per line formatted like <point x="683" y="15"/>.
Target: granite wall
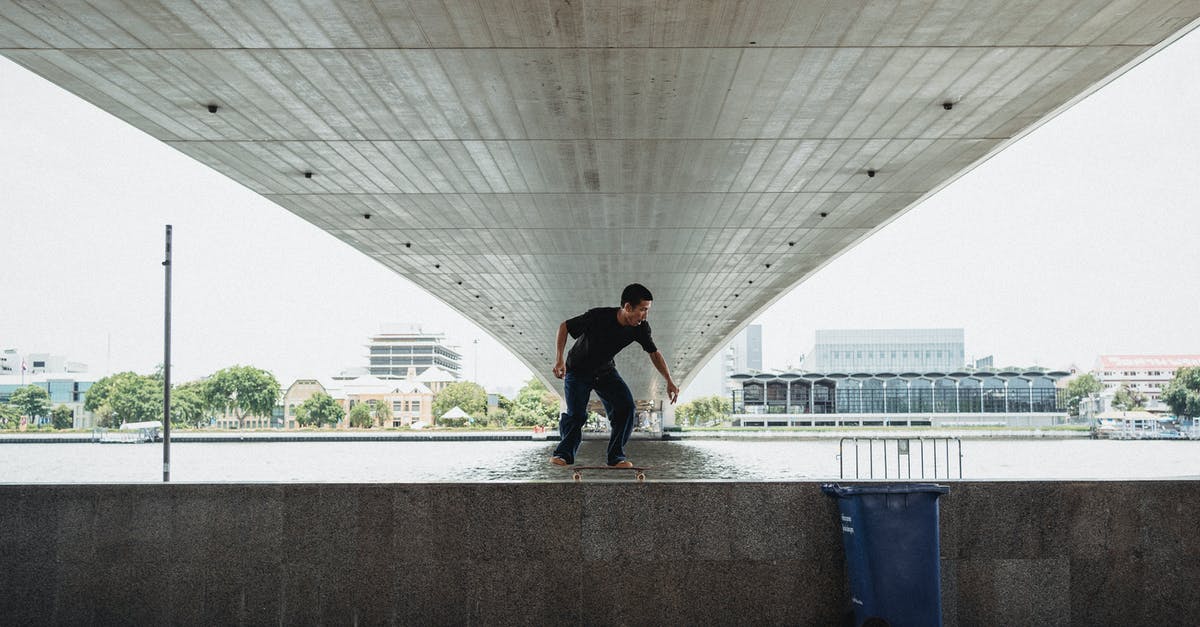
<point x="1025" y="553"/>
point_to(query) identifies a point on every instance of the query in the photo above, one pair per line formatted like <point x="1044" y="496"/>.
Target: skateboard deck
<point x="639" y="472"/>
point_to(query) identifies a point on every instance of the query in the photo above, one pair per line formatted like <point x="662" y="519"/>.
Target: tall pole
<point x="167" y="363"/>
<point x="476" y="342"/>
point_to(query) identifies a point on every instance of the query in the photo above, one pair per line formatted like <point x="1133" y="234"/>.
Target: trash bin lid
<point x="840" y="491"/>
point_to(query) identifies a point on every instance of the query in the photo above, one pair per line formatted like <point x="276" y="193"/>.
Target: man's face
<point x="636" y="314"/>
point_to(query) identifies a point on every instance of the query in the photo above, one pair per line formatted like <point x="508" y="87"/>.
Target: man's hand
<point x="672" y="391"/>
<point x="560" y="370"/>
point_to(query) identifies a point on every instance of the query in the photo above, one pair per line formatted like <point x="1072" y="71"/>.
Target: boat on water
<point x="130" y="433"/>
<point x="1139" y="425"/>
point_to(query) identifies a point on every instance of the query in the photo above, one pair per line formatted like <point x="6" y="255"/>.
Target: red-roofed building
<point x="1147" y="374"/>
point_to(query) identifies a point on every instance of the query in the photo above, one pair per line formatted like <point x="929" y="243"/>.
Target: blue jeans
<point x="618" y="404"/>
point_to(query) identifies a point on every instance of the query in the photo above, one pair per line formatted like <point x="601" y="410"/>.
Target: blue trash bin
<point x="890" y="532"/>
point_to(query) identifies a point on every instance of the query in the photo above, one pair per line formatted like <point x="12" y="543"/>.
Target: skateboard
<point x="639" y="472"/>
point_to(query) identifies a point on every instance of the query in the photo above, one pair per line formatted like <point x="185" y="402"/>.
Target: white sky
<point x="1080" y="239"/>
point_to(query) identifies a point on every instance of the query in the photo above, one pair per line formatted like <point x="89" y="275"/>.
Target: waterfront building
<point x="1147" y="374"/>
<point x="299" y="391"/>
<point x="395" y="350"/>
<point x="66" y="381"/>
<point x="436" y="379"/>
<point x="410" y="401"/>
<point x="1005" y="397"/>
<point x="887" y="350"/>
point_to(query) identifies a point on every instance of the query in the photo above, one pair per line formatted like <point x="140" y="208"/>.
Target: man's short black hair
<point x="634" y="294"/>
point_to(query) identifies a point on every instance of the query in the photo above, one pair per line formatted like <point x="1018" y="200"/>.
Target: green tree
<point x="1079" y="388"/>
<point x="1128" y="399"/>
<point x="360" y="416"/>
<point x="468" y="396"/>
<point x="383" y="413"/>
<point x="1182" y="394"/>
<point x="534" y="406"/>
<point x="320" y="409"/>
<point x="243" y="391"/>
<point x="187" y="405"/>
<point x="10" y="417"/>
<point x="704" y="411"/>
<point x="125" y="397"/>
<point x="32" y="401"/>
<point x="498" y="418"/>
<point x="62" y="417"/>
<point x="135" y="399"/>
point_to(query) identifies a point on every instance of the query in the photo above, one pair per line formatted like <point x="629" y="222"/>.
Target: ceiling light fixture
<point x="308" y="175"/>
<point x="212" y="108"/>
<point x="871" y="173"/>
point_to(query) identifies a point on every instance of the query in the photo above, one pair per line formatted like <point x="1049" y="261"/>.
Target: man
<point x="600" y="334"/>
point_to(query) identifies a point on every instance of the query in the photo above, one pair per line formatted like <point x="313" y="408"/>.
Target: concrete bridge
<point x="524" y="160"/>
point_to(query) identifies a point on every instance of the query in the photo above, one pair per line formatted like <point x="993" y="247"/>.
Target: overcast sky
<point x="1078" y="240"/>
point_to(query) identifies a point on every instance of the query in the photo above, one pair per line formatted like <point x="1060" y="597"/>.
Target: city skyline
<point x="1071" y="243"/>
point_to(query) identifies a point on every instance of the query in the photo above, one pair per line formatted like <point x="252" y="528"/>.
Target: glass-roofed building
<point x="1004" y="397"/>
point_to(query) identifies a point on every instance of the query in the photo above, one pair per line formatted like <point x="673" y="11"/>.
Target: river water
<point x="490" y="461"/>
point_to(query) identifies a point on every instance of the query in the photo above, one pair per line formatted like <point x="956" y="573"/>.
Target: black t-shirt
<point x="599" y="337"/>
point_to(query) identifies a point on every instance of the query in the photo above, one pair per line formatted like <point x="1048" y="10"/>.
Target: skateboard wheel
<point x="641" y="476"/>
<point x="577" y="476"/>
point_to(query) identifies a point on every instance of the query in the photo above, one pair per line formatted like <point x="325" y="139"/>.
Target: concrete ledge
<point x="1029" y="553"/>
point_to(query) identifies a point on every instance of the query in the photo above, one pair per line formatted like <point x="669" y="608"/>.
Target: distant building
<point x="886" y="350"/>
<point x="1147" y="374"/>
<point x="12" y="362"/>
<point x="299" y="391"/>
<point x="743" y="354"/>
<point x="394" y="351"/>
<point x="64" y="389"/>
<point x="436" y="379"/>
<point x="410" y="401"/>
<point x="1005" y="397"/>
<point x="65" y="381"/>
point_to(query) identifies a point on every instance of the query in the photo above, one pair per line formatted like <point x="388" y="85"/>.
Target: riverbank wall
<point x="1028" y="553"/>
<point x="184" y="437"/>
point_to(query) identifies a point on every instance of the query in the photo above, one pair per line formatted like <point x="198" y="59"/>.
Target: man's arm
<point x="560" y="343"/>
<point x="660" y="363"/>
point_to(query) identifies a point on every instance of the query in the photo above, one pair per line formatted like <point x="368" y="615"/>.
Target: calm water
<point x="721" y="460"/>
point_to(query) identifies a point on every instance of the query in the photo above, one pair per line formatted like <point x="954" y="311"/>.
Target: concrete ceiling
<point x="523" y="160"/>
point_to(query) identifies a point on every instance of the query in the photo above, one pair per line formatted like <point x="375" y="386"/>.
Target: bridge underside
<point x="523" y="161"/>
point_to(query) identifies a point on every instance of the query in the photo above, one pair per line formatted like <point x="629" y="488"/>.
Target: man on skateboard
<point x="600" y="334"/>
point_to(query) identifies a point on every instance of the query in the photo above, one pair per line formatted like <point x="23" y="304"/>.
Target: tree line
<point x="245" y="391"/>
<point x="242" y="391"/>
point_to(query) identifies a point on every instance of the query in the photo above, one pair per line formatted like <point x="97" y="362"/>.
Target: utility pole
<point x="167" y="362"/>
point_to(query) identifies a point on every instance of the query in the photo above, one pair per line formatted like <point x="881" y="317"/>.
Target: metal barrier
<point x="900" y="458"/>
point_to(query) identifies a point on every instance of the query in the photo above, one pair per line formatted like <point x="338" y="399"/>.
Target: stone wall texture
<point x="1013" y="553"/>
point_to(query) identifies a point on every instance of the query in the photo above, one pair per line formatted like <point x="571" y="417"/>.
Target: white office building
<point x="400" y="352"/>
<point x="886" y="350"/>
<point x="1147" y="374"/>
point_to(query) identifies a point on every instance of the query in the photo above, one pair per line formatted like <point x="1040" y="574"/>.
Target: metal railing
<point x="900" y="458"/>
